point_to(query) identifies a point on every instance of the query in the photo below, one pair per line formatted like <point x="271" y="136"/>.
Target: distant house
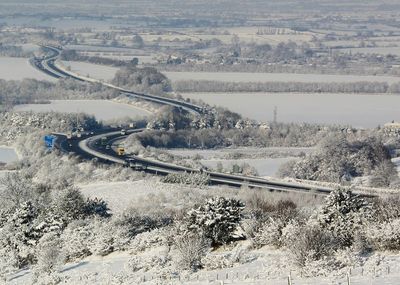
<point x="392" y="129"/>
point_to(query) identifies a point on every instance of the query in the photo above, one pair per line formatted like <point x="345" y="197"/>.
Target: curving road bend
<point x="51" y="66"/>
<point x="89" y="147"/>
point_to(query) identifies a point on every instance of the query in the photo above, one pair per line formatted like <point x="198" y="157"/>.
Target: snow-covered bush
<point x="191" y="248"/>
<point x="15" y="189"/>
<point x="69" y="204"/>
<point x="384" y="235"/>
<point x="343" y="215"/>
<point x="49" y="256"/>
<point x="386" y="209"/>
<point x="217" y="261"/>
<point x="93" y="236"/>
<point x="96" y="207"/>
<point x="77" y="239"/>
<point x="195" y="179"/>
<point x="135" y="222"/>
<point x="270" y="233"/>
<point x="307" y="242"/>
<point x="159" y="262"/>
<point x="218" y="219"/>
<point x="147" y="240"/>
<point x="238" y="255"/>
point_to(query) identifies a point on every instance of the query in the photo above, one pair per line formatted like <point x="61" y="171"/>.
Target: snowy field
<point x="95" y="71"/>
<point x="14" y="68"/>
<point x="146" y="193"/>
<point x="143" y="59"/>
<point x="62" y="24"/>
<point x="257" y="266"/>
<point x="266" y="161"/>
<point x="98" y="48"/>
<point x="102" y="109"/>
<point x="271" y="267"/>
<point x="375" y="50"/>
<point x="7" y="155"/>
<point x="275" y="77"/>
<point x="264" y="166"/>
<point x="341" y="109"/>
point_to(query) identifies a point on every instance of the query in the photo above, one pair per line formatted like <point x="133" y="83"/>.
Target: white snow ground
<point x="271" y="267"/>
<point x="263" y="266"/>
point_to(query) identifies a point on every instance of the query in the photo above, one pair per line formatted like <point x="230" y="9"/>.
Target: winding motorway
<point x="92" y="146"/>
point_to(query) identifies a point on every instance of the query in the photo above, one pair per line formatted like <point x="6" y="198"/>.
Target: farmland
<point x="102" y="110"/>
<point x="19" y="68"/>
<point x="276" y="77"/>
<point x="342" y="109"/>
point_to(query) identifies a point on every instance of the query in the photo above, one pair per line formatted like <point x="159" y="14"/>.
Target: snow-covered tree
<point x="344" y="214"/>
<point x="218" y="219"/>
<point x="49" y="258"/>
<point x="69" y="204"/>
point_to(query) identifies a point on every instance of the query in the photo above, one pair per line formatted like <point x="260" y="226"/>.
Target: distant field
<point x="96" y="48"/>
<point x="366" y="111"/>
<point x="265" y="160"/>
<point x="7" y="155"/>
<point x="275" y="77"/>
<point x="377" y="50"/>
<point x="264" y="166"/>
<point x="13" y="68"/>
<point x="143" y="59"/>
<point x="92" y="70"/>
<point x="101" y="109"/>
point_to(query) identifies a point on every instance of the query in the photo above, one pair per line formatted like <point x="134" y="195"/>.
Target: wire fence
<point x="382" y="275"/>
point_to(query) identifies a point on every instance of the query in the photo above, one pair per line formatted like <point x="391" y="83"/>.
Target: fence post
<point x="348" y="279"/>
<point x="289" y="280"/>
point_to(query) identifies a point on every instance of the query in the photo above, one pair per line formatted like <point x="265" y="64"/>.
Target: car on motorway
<point x="136" y="165"/>
<point x="108" y="147"/>
<point x="121" y="150"/>
<point x="123" y="132"/>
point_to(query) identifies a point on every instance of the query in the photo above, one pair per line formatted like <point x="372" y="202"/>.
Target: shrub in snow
<point x="147" y="240"/>
<point x="69" y="204"/>
<point x="218" y="219"/>
<point x="385" y="235"/>
<point x="270" y="233"/>
<point x="343" y="215"/>
<point x="238" y="255"/>
<point x="96" y="207"/>
<point x="195" y="179"/>
<point x="348" y="257"/>
<point x="217" y="261"/>
<point x="191" y="248"/>
<point x="92" y="236"/>
<point x="15" y="189"/>
<point x="135" y="223"/>
<point x="387" y="209"/>
<point x="159" y="263"/>
<point x="323" y="266"/>
<point x="77" y="239"/>
<point x="9" y="261"/>
<point x="49" y="256"/>
<point x="307" y="242"/>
